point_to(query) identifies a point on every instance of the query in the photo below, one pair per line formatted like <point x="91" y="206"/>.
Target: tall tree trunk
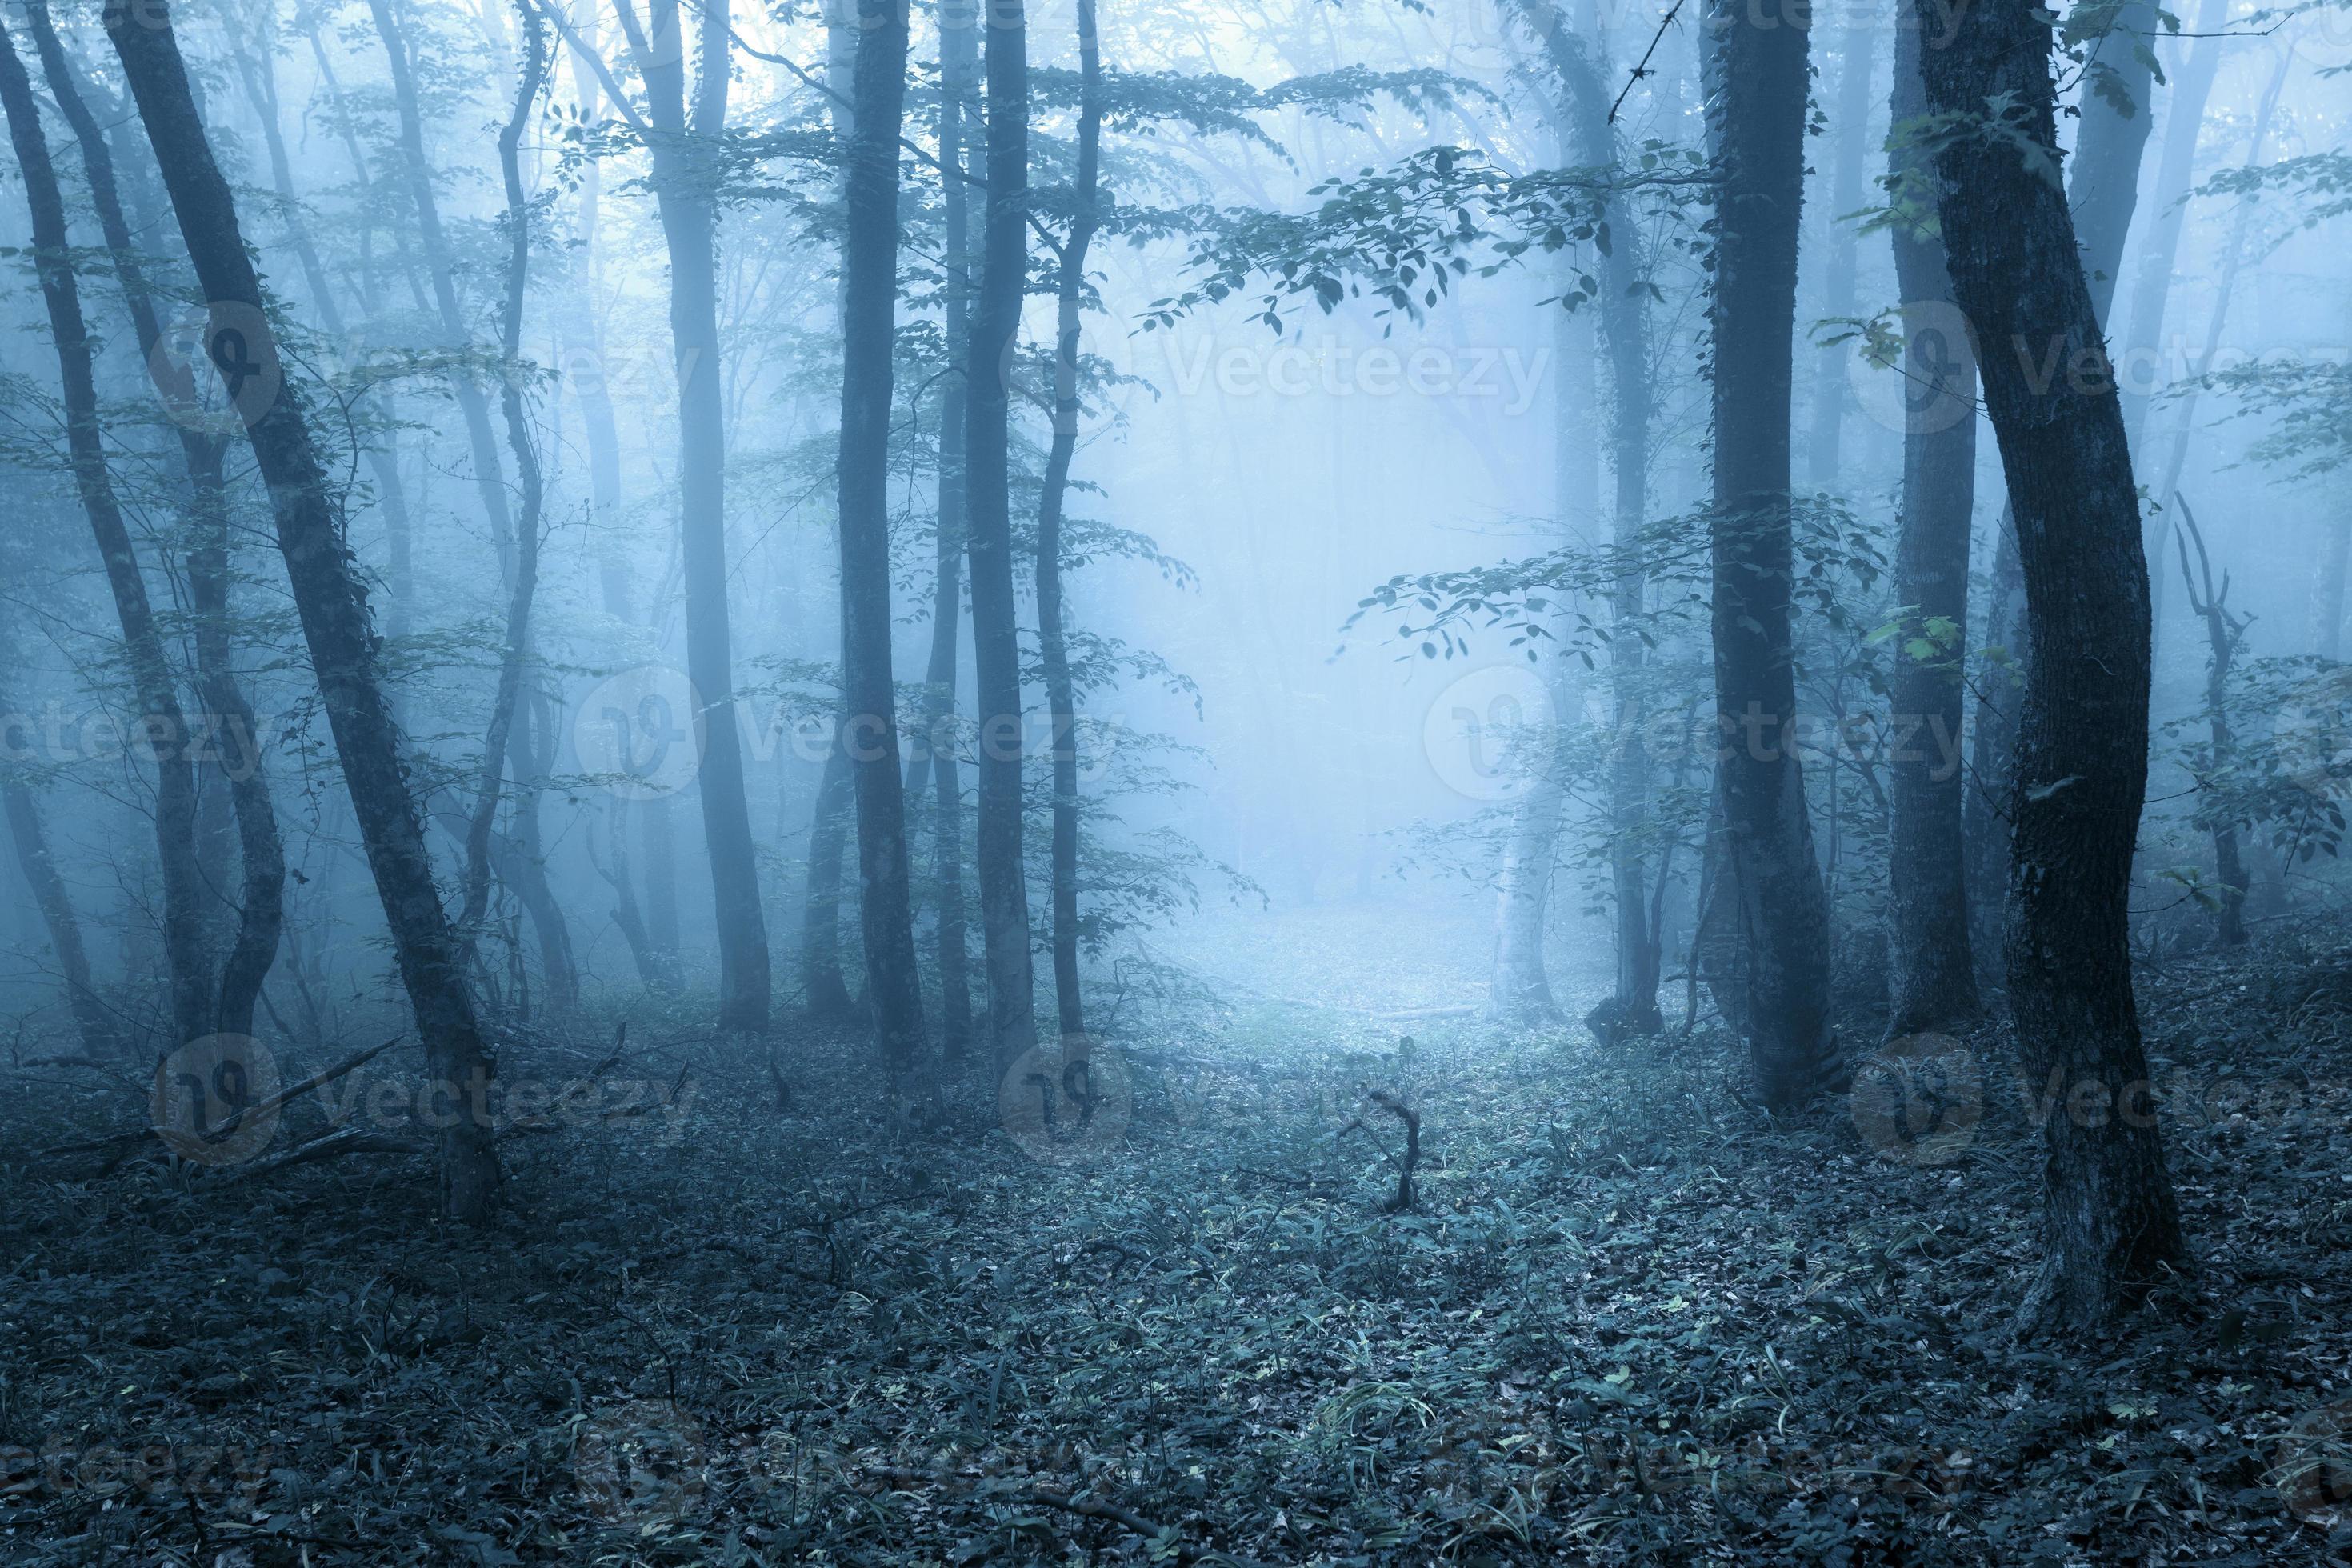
<point x="235" y="736"/>
<point x="822" y="982"/>
<point x="329" y="599"/>
<point x="958" y="64"/>
<point x="2103" y="190"/>
<point x="55" y="901"/>
<point x="2143" y="339"/>
<point x="685" y="156"/>
<point x="1773" y="879"/>
<point x="163" y="730"/>
<point x="1823" y="450"/>
<point x="1053" y="638"/>
<point x="1935" y="982"/>
<point x="2082" y="761"/>
<point x="523" y="576"/>
<point x="995" y="637"/>
<point x="1623" y="313"/>
<point x="1520" y="990"/>
<point x="2224" y="630"/>
<point x="894" y="994"/>
<point x="489" y="479"/>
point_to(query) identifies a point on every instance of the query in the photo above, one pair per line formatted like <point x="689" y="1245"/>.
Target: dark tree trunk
<point x="2082" y="759"/>
<point x="329" y="601"/>
<point x="50" y="895"/>
<point x="995" y="637"/>
<point x="685" y="157"/>
<point x="959" y="62"/>
<point x="2103" y="189"/>
<point x="893" y="993"/>
<point x="236" y="738"/>
<point x="162" y="729"/>
<point x="1053" y="637"/>
<point x="1772" y="883"/>
<point x="827" y="992"/>
<point x="1935" y="982"/>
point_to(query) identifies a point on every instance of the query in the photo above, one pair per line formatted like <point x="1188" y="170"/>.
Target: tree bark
<point x="332" y="605"/>
<point x="2111" y="1224"/>
<point x="1773" y="879"/>
<point x="686" y="172"/>
<point x="959" y="62"/>
<point x="1052" y="638"/>
<point x="236" y="737"/>
<point x="162" y="729"/>
<point x="996" y="647"/>
<point x="1935" y="982"/>
<point x="894" y="994"/>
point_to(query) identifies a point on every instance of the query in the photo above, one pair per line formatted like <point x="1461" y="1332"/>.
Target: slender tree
<point x="163" y="726"/>
<point x="1774" y="882"/>
<point x="1053" y="633"/>
<point x="2081" y="771"/>
<point x="869" y="305"/>
<point x="329" y="598"/>
<point x="996" y="646"/>
<point x="1934" y="982"/>
<point x="236" y="748"/>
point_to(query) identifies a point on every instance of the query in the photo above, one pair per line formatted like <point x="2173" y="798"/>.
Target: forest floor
<point x="1627" y="1318"/>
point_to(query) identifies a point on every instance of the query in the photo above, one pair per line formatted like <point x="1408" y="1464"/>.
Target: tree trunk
<point x="869" y="264"/>
<point x="1520" y="990"/>
<point x="996" y="645"/>
<point x="330" y="601"/>
<point x="959" y="62"/>
<point x="1935" y="982"/>
<point x="827" y="991"/>
<point x="1624" y="312"/>
<point x="1825" y="457"/>
<point x="1053" y="639"/>
<point x="489" y="479"/>
<point x="162" y="729"/>
<point x="2223" y="632"/>
<point x="236" y="737"/>
<point x="1773" y="881"/>
<point x="2081" y="760"/>
<point x="50" y="895"/>
<point x="685" y="154"/>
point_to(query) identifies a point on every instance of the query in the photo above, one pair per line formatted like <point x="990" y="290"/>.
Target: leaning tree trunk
<point x="1773" y="881"/>
<point x="55" y="901"/>
<point x="236" y="737"/>
<point x="162" y="728"/>
<point x="2103" y="189"/>
<point x="1935" y="982"/>
<point x="869" y="264"/>
<point x="2112" y="1226"/>
<point x="1053" y="633"/>
<point x="995" y="635"/>
<point x="686" y="170"/>
<point x="328" y="597"/>
<point x="958" y="61"/>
